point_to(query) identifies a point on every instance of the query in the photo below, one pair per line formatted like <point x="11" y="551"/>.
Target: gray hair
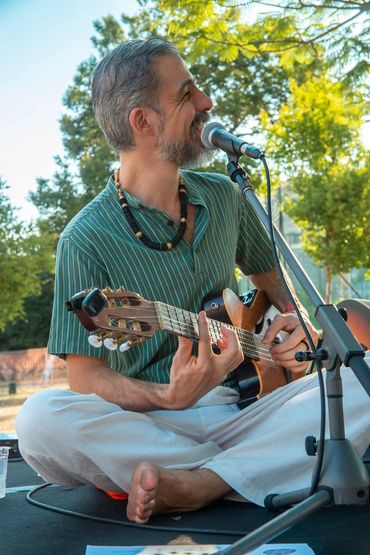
<point x="125" y="79"/>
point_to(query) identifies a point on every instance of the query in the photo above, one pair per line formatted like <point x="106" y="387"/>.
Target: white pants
<point x="71" y="438"/>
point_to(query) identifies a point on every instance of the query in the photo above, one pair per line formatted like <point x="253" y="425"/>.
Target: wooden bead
<point x="133" y="224"/>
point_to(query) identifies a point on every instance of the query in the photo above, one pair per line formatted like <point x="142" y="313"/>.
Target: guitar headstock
<point x="119" y="318"/>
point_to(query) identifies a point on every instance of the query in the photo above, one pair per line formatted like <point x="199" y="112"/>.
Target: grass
<point x="11" y="404"/>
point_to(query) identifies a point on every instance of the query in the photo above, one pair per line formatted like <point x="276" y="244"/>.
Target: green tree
<point x="57" y="200"/>
<point x="295" y="30"/>
<point x="24" y="255"/>
<point x="32" y="329"/>
<point x="315" y="141"/>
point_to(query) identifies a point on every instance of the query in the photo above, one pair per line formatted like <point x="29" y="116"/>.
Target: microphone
<point x="214" y="135"/>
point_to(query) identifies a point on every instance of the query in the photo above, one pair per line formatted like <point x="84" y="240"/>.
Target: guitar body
<point x="358" y="319"/>
<point x="253" y="313"/>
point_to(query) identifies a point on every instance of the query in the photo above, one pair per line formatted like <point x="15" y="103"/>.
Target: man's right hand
<point x="193" y="376"/>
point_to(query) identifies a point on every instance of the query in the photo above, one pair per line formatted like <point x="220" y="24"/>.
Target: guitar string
<point x="249" y="348"/>
<point x="188" y="328"/>
<point x="246" y="338"/>
<point x="189" y="319"/>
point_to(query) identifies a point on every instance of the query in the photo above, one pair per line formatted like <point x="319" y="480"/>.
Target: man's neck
<point x="154" y="182"/>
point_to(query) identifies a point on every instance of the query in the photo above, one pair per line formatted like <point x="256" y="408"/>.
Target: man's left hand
<point x="284" y="353"/>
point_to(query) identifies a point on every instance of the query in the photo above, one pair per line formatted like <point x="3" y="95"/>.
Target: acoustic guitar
<point x="121" y="319"/>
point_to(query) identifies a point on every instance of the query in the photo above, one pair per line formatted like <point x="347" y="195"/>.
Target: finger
<point x="205" y="342"/>
<point x="229" y="338"/>
<point x="292" y="364"/>
<point x="287" y="322"/>
<point x="226" y="335"/>
<point x="289" y="354"/>
<point x="231" y="355"/>
<point x="290" y="343"/>
<point x="184" y="349"/>
<point x="288" y="361"/>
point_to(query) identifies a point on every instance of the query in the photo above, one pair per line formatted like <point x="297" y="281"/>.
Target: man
<point x="155" y="421"/>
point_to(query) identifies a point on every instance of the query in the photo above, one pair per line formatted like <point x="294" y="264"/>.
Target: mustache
<point x="202" y="117"/>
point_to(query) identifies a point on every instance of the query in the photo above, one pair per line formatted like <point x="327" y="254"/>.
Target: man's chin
<point x="201" y="159"/>
<point x="184" y="155"/>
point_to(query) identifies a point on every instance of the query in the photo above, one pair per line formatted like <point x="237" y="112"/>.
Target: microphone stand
<point x="344" y="479"/>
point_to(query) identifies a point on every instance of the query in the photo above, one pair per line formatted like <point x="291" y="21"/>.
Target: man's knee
<point x="36" y="416"/>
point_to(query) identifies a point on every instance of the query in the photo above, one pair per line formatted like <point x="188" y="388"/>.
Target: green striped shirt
<point x="99" y="249"/>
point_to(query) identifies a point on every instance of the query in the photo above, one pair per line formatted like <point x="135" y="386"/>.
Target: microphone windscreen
<point x="206" y="134"/>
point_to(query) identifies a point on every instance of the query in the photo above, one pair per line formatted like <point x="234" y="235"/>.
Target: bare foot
<point x="142" y="497"/>
<point x="155" y="489"/>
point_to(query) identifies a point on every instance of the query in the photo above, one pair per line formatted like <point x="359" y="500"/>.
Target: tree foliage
<point x="315" y="141"/>
<point x="57" y="200"/>
<point x="239" y="94"/>
<point x="23" y="257"/>
<point x="32" y="328"/>
<point x="295" y="30"/>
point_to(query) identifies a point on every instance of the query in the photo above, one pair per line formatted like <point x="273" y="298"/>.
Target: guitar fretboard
<point x="182" y="322"/>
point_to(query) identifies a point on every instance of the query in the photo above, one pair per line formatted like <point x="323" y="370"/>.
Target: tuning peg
<point x="95" y="341"/>
<point x="125" y="346"/>
<point x="110" y="343"/>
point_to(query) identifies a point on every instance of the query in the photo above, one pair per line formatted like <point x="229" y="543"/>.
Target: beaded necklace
<point x="133" y="223"/>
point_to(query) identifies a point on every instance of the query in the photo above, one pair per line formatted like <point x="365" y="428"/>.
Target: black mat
<point x="27" y="530"/>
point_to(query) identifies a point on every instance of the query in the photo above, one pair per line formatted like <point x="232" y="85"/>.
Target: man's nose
<point x="203" y="102"/>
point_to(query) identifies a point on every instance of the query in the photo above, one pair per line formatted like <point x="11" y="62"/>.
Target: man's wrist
<point x="290" y="308"/>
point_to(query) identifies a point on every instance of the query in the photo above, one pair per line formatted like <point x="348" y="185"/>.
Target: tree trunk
<point x="328" y="280"/>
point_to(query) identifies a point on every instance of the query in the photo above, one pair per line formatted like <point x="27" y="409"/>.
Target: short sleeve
<point x="254" y="252"/>
<point x="75" y="271"/>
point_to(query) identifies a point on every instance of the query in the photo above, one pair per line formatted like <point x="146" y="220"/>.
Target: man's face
<point x="183" y="110"/>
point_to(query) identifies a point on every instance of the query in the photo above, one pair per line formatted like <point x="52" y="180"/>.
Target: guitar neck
<point x="182" y="322"/>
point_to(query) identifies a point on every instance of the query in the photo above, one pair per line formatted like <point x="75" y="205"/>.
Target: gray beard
<point x="187" y="153"/>
<point x="184" y="154"/>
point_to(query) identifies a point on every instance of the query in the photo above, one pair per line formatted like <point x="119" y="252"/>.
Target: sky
<point x="41" y="44"/>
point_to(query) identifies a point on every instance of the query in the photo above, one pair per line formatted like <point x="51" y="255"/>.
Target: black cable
<point x="123" y="523"/>
<point x="320" y="452"/>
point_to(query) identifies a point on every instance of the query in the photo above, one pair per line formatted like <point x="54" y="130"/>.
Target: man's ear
<point x="142" y="120"/>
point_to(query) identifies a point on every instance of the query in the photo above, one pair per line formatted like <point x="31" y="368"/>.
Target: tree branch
<point x="344" y="5"/>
